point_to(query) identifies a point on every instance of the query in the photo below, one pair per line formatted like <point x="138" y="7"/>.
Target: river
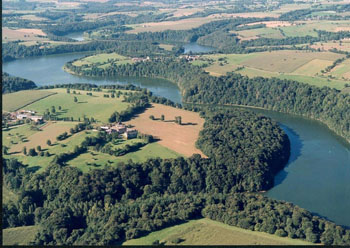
<point x="318" y="173"/>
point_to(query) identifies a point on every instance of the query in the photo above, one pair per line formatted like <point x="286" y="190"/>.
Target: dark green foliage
<point x="250" y="149"/>
<point x="13" y="84"/>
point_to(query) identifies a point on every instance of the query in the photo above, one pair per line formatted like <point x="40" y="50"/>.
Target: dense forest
<point x="324" y="104"/>
<point x="13" y="84"/>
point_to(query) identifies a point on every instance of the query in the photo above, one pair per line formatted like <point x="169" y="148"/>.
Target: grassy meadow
<point x="17" y="100"/>
<point x="103" y="60"/>
<point x="209" y="232"/>
<point x="19" y="235"/>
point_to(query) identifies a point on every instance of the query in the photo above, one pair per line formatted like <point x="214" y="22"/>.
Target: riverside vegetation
<point x="108" y="205"/>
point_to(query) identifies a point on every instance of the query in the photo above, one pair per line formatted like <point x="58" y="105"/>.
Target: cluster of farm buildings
<point x="25" y="115"/>
<point x="121" y="129"/>
<point x="141" y="59"/>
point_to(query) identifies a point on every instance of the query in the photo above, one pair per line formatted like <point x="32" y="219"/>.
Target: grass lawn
<point x="209" y="232"/>
<point x="14" y="101"/>
<point x="152" y="150"/>
<point x="19" y="235"/>
<point x="96" y="106"/>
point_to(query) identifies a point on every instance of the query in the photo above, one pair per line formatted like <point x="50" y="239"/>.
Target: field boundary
<point x="36" y="100"/>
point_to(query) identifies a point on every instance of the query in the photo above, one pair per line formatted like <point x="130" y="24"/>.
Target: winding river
<point x="317" y="176"/>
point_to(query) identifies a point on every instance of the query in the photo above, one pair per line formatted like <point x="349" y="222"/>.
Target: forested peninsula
<point x="13" y="84"/>
<point x="327" y="105"/>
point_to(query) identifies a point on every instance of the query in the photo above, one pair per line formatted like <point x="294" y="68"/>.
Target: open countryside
<point x="175" y="122"/>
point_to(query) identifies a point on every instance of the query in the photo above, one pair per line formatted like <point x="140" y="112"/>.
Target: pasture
<point x="96" y="106"/>
<point x="19" y="235"/>
<point x="49" y="131"/>
<point x="179" y="138"/>
<point x="209" y="232"/>
<point x="93" y="159"/>
<point x="343" y="45"/>
<point x="17" y="100"/>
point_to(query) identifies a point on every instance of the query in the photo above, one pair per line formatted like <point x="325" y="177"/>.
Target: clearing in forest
<point x="209" y="232"/>
<point x="179" y="138"/>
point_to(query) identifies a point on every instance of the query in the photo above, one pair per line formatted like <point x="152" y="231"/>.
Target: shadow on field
<point x="34" y="168"/>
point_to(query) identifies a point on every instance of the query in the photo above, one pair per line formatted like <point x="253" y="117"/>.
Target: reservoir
<point x="317" y="176"/>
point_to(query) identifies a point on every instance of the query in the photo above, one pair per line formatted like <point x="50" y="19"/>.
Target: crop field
<point x="19" y="235"/>
<point x="93" y="159"/>
<point x="295" y="65"/>
<point x="22" y="34"/>
<point x="179" y="138"/>
<point x="17" y="100"/>
<point x="342" y="70"/>
<point x="49" y="131"/>
<point x="209" y="232"/>
<point x="183" y="24"/>
<point x="96" y="106"/>
<point x="103" y="58"/>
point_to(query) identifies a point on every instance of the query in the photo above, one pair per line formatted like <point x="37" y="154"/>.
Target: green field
<point x="17" y="100"/>
<point x="103" y="60"/>
<point x="209" y="232"/>
<point x="300" y="66"/>
<point x="152" y="150"/>
<point x="19" y="235"/>
<point x="96" y="106"/>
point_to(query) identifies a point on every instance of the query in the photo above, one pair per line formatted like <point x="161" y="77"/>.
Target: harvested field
<point x="270" y="24"/>
<point x="186" y="12"/>
<point x="209" y="232"/>
<point x="313" y="67"/>
<point x="14" y="101"/>
<point x="287" y="61"/>
<point x="184" y="24"/>
<point x="246" y="15"/>
<point x="259" y="33"/>
<point x="49" y="131"/>
<point x="179" y="138"/>
<point x="22" y="34"/>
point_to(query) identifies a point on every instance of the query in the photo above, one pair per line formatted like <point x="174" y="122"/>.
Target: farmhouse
<point x="121" y="129"/>
<point x="130" y="133"/>
<point x="140" y="59"/>
<point x="26" y="114"/>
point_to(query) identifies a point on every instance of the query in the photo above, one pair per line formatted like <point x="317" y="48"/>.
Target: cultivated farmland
<point x="179" y="138"/>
